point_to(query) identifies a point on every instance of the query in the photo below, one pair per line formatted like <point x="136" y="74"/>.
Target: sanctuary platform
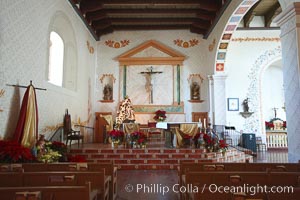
<point x="154" y="156"/>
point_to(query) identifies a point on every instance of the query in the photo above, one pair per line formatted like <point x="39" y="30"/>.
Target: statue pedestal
<point x="246" y="114"/>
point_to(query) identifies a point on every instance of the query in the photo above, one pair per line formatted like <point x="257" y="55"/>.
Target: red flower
<point x="138" y="137"/>
<point x="284" y="124"/>
<point x="222" y="144"/>
<point x="13" y="152"/>
<point x="116" y="135"/>
<point x="160" y="115"/>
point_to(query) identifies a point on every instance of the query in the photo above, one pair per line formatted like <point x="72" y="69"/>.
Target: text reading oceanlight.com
<point x="212" y="188"/>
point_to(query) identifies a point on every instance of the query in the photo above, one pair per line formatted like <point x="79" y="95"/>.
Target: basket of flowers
<point x="138" y="139"/>
<point x="116" y="137"/>
<point x="160" y="116"/>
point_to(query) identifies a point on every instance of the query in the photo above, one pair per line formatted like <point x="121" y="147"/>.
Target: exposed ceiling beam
<point x="248" y="18"/>
<point x="271" y="14"/>
<point x="135" y="21"/>
<point x="89" y="6"/>
<point x="250" y="15"/>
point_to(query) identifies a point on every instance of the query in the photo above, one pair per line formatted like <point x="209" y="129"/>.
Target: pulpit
<point x="102" y="126"/>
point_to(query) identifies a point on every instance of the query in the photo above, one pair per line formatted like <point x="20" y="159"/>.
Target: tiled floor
<point x="161" y="184"/>
<point x="150" y="184"/>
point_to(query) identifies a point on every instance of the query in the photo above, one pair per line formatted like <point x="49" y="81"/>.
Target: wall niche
<point x="195" y="81"/>
<point x="107" y="85"/>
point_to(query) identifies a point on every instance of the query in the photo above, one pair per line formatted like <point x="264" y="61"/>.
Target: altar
<point x="173" y="131"/>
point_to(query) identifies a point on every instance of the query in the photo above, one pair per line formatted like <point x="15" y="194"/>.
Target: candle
<point x="204" y="122"/>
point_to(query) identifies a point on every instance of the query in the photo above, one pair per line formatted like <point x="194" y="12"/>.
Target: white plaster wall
<point x="273" y="93"/>
<point x="24" y="35"/>
<point x="196" y="62"/>
<point x="240" y="60"/>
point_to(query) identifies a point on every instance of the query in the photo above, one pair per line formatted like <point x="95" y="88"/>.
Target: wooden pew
<point x="48" y="193"/>
<point x="188" y="166"/>
<point x="286" y="195"/>
<point x="11" y="179"/>
<point x="219" y="178"/>
<point x="207" y="194"/>
<point x="99" y="182"/>
<point x="284" y="179"/>
<point x="110" y="170"/>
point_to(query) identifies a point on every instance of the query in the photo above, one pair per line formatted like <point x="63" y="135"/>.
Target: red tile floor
<point x="161" y="184"/>
<point x="150" y="184"/>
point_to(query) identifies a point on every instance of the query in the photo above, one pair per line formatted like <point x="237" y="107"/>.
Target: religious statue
<point x="245" y="105"/>
<point x="107" y="92"/>
<point x="149" y="81"/>
<point x="125" y="112"/>
<point x="195" y="91"/>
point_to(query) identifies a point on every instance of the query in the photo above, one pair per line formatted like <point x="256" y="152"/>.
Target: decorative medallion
<point x="90" y="48"/>
<point x="226" y="36"/>
<point x="241" y="10"/>
<point x="186" y="44"/>
<point x="221" y="55"/>
<point x="116" y="44"/>
<point x="220" y="66"/>
<point x="223" y="46"/>
<point x="212" y="45"/>
<point x="235" y="19"/>
<point x="230" y="28"/>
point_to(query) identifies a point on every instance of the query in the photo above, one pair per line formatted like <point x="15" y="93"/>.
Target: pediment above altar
<point x="151" y="52"/>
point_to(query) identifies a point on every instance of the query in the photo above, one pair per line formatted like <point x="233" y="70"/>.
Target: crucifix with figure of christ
<point x="149" y="82"/>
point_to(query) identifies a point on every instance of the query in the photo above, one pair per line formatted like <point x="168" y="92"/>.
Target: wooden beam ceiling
<point x="106" y="16"/>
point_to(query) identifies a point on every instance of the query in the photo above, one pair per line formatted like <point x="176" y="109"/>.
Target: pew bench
<point x="48" y="193"/>
<point x="110" y="170"/>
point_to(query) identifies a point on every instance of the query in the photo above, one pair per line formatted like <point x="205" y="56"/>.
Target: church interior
<point x="160" y="99"/>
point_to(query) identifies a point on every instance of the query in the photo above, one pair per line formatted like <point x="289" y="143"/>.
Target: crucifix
<point x="275" y="111"/>
<point x="149" y="82"/>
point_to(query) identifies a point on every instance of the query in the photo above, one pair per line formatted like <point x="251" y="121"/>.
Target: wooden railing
<point x="277" y="139"/>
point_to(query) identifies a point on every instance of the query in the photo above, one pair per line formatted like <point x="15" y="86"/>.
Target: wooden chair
<point x="152" y="130"/>
<point x="259" y="145"/>
<point x="69" y="132"/>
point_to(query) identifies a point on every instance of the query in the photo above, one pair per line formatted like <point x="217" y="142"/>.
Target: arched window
<point x="56" y="59"/>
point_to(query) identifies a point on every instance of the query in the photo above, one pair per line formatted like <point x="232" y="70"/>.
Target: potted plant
<point x="160" y="116"/>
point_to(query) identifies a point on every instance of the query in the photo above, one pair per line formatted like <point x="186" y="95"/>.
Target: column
<point x="219" y="99"/>
<point x="289" y="22"/>
<point x="211" y="99"/>
<point x="178" y="84"/>
<point x="124" y="81"/>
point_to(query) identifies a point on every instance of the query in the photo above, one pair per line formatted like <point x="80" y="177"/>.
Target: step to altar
<point x="151" y="158"/>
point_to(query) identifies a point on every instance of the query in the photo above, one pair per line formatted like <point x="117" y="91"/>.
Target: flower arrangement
<point x="160" y="115"/>
<point x="213" y="144"/>
<point x="13" y="152"/>
<point x="138" y="138"/>
<point x="48" y="152"/>
<point x="284" y="125"/>
<point x="269" y="125"/>
<point x="116" y="136"/>
<point x="223" y="146"/>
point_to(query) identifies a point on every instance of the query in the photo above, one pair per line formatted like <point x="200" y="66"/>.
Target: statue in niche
<point x="195" y="91"/>
<point x="107" y="92"/>
<point x="246" y="105"/>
